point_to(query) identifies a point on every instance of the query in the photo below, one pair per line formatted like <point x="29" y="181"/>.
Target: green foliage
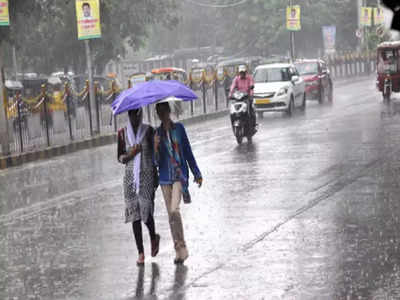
<point x="259" y="27"/>
<point x="45" y="32"/>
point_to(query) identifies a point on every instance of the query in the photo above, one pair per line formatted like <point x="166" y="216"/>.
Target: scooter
<point x="240" y="117"/>
<point x="387" y="88"/>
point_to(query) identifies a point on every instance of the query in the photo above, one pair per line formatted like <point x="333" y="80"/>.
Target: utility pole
<point x="92" y="96"/>
<point x="359" y="5"/>
<point x="15" y="63"/>
<point x="366" y="37"/>
<point x="292" y="47"/>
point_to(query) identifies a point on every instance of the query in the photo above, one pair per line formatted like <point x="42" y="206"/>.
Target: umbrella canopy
<point x="151" y="92"/>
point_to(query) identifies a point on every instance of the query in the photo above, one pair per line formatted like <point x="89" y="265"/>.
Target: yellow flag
<point x="366" y="16"/>
<point x="293" y="22"/>
<point x="88" y="19"/>
<point x="4" y="15"/>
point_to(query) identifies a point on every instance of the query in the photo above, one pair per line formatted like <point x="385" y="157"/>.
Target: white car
<point x="278" y="87"/>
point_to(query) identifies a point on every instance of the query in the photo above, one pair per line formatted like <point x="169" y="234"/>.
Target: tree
<point x="259" y="26"/>
<point x="45" y="32"/>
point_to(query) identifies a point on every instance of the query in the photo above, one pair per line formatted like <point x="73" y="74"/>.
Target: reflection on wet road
<point x="310" y="210"/>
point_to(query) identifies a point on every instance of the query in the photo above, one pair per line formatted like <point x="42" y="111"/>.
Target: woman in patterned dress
<point x="135" y="150"/>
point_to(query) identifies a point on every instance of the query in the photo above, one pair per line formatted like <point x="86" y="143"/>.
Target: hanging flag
<point x="366" y="16"/>
<point x="293" y="21"/>
<point x="88" y="19"/>
<point x="4" y="15"/>
<point x="329" y="38"/>
<point x="378" y="16"/>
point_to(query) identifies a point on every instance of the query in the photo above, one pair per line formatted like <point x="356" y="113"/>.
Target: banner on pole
<point x="329" y="38"/>
<point x="378" y="16"/>
<point x="293" y="18"/>
<point x="88" y="19"/>
<point x="4" y="14"/>
<point x="366" y="16"/>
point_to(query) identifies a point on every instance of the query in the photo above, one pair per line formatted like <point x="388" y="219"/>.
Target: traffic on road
<point x="207" y="149"/>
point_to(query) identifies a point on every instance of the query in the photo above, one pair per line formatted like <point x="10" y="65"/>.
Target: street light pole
<point x="292" y="49"/>
<point x="366" y="31"/>
<point x="92" y="96"/>
<point x="15" y="62"/>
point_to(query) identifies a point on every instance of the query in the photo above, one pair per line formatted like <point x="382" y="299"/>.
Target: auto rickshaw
<point x="32" y="91"/>
<point x="388" y="69"/>
<point x="55" y="90"/>
<point x="14" y="91"/>
<point x="136" y="78"/>
<point x="172" y="74"/>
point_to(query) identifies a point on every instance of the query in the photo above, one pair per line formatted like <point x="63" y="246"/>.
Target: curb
<point x="102" y="140"/>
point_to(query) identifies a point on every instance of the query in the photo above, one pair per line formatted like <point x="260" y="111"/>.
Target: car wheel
<point x="304" y="103"/>
<point x="290" y="108"/>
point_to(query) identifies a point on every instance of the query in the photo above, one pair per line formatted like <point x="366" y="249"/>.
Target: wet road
<point x="309" y="211"/>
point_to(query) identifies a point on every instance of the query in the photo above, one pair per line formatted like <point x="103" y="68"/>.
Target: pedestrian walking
<point x="135" y="150"/>
<point x="173" y="154"/>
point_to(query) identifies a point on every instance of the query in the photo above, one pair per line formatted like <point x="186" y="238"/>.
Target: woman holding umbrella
<point x="173" y="154"/>
<point x="135" y="150"/>
<point x="172" y="149"/>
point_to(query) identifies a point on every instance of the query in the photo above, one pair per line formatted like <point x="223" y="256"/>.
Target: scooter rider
<point x="244" y="82"/>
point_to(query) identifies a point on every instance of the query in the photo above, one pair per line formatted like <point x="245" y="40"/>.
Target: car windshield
<point x="271" y="75"/>
<point x="307" y="68"/>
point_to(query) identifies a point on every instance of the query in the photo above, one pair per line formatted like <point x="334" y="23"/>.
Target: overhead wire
<point x="217" y="5"/>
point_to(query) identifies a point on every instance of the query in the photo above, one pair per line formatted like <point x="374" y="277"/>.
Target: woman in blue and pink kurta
<point x="173" y="154"/>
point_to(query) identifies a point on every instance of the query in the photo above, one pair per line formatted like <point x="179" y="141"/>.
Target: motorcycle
<point x="387" y="88"/>
<point x="240" y="117"/>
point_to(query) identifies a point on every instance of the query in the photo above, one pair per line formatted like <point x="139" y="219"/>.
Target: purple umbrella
<point x="151" y="92"/>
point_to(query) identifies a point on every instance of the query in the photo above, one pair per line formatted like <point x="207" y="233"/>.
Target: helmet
<point x="242" y="68"/>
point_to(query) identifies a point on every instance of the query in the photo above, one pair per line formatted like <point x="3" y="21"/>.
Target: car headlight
<point x="282" y="91"/>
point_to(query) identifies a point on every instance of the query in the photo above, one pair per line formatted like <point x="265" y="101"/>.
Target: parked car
<point x="317" y="78"/>
<point x="278" y="87"/>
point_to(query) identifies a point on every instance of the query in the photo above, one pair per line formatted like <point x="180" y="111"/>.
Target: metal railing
<point x="61" y="117"/>
<point x="351" y="64"/>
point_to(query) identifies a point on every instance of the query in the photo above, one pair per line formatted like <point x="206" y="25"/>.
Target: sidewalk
<point x="101" y="140"/>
